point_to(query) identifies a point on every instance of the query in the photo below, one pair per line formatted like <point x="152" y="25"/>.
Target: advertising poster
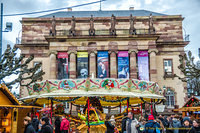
<point x="63" y="65"/>
<point x="82" y="64"/>
<point x="123" y="64"/>
<point x="143" y="65"/>
<point x="103" y="67"/>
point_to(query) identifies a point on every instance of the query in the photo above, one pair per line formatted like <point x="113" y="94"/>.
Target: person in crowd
<point x="124" y="119"/>
<point x="46" y="127"/>
<point x="131" y="123"/>
<point x="195" y="127"/>
<point x="57" y="125"/>
<point x="162" y="128"/>
<point x="64" y="126"/>
<point x="176" y="124"/>
<point x="151" y="126"/>
<point x="110" y="127"/>
<point x="160" y="117"/>
<point x="28" y="126"/>
<point x="35" y="123"/>
<point x="141" y="125"/>
<point x="186" y="125"/>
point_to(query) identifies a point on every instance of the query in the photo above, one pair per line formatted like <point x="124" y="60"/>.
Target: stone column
<point x="93" y="67"/>
<point x="133" y="64"/>
<point x="72" y="64"/>
<point x="52" y="65"/>
<point x="113" y="64"/>
<point x="153" y="64"/>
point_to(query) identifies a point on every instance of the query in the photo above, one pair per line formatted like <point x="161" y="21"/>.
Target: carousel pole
<point x="151" y="108"/>
<point x="51" y="109"/>
<point x="141" y="108"/>
<point x="127" y="104"/>
<point x="88" y="102"/>
<point x="120" y="107"/>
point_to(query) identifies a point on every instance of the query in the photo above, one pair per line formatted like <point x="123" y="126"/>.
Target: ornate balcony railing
<point x="103" y="32"/>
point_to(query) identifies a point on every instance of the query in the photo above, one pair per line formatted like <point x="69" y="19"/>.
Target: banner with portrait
<point x="82" y="64"/>
<point x="103" y="67"/>
<point x="63" y="65"/>
<point x="123" y="64"/>
<point x="143" y="65"/>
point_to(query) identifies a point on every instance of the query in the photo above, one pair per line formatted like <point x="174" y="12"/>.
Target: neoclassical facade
<point x="65" y="42"/>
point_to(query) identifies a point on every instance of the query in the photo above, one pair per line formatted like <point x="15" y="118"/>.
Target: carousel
<point x="93" y="95"/>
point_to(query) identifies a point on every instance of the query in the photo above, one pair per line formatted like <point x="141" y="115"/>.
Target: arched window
<point x="170" y="97"/>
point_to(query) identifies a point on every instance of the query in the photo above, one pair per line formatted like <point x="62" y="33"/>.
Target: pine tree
<point x="11" y="64"/>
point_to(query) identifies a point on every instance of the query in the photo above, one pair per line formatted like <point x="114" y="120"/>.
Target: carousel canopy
<point x="110" y="92"/>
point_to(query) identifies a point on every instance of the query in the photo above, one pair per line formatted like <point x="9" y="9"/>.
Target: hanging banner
<point x="103" y="68"/>
<point x="63" y="65"/>
<point x="123" y="64"/>
<point x="82" y="64"/>
<point x="143" y="65"/>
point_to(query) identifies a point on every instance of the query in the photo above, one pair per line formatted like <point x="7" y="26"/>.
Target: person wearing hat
<point x="28" y="126"/>
<point x="186" y="126"/>
<point x="46" y="127"/>
<point x="152" y="126"/>
<point x="176" y="124"/>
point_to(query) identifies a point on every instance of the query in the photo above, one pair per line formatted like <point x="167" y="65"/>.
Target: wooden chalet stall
<point x="191" y="108"/>
<point x="12" y="113"/>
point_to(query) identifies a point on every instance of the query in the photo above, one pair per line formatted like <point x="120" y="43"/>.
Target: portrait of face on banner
<point x="123" y="64"/>
<point x="103" y="68"/>
<point x="63" y="65"/>
<point x="82" y="64"/>
<point x="143" y="65"/>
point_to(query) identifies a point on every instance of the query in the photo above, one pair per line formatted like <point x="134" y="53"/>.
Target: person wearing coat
<point x="35" y="123"/>
<point x="186" y="126"/>
<point x="131" y="124"/>
<point x="124" y="123"/>
<point x="151" y="125"/>
<point x="57" y="125"/>
<point x="46" y="127"/>
<point x="64" y="126"/>
<point x="110" y="127"/>
<point x="28" y="126"/>
<point x="195" y="127"/>
<point x="176" y="124"/>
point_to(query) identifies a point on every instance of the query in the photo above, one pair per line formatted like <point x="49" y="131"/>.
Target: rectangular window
<point x="143" y="65"/>
<point x="63" y="65"/>
<point x="168" y="66"/>
<point x="82" y="64"/>
<point x="103" y="67"/>
<point x="123" y="64"/>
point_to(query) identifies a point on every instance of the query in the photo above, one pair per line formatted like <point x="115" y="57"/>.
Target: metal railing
<point x="102" y="32"/>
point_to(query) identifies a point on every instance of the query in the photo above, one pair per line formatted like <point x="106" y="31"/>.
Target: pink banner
<point x="62" y="55"/>
<point x="143" y="65"/>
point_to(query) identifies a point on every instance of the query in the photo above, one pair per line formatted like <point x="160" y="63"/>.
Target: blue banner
<point x="103" y="67"/>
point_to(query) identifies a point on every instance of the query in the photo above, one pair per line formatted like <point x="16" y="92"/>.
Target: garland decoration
<point x="31" y="103"/>
<point x="118" y="100"/>
<point x="70" y="100"/>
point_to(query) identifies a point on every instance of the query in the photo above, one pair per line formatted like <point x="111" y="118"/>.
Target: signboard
<point x="82" y="64"/>
<point x="63" y="65"/>
<point x="123" y="64"/>
<point x="143" y="65"/>
<point x="160" y="108"/>
<point x="103" y="68"/>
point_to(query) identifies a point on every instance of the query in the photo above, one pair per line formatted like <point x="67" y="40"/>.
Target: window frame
<point x="167" y="75"/>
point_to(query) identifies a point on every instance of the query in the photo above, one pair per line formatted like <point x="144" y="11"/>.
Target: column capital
<point x="133" y="50"/>
<point x="152" y="50"/>
<point x="71" y="51"/>
<point x="90" y="52"/>
<point x="53" y="52"/>
<point x="112" y="51"/>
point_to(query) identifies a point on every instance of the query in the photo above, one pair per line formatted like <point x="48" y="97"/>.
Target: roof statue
<point x="73" y="25"/>
<point x="91" y="30"/>
<point x="53" y="30"/>
<point x="132" y="30"/>
<point x="151" y="28"/>
<point x="112" y="23"/>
